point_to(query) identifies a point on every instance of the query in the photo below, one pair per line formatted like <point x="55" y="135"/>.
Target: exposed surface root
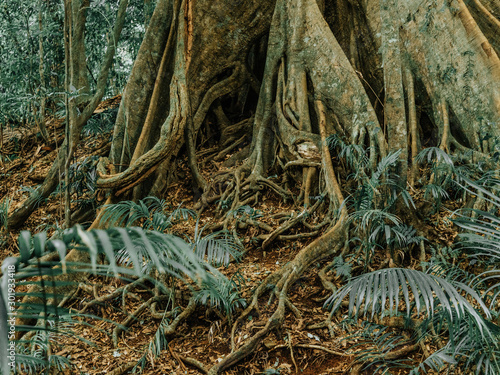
<point x="172" y="327"/>
<point x="120" y="291"/>
<point x="280" y="282"/>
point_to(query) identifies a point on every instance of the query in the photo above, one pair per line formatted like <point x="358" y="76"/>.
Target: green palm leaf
<point x="387" y="285"/>
<point x="164" y="252"/>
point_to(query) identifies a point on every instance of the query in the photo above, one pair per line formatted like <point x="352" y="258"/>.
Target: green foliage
<point x="376" y="289"/>
<point x="446" y="171"/>
<point x="100" y="123"/>
<point x="382" y="292"/>
<point x="481" y="239"/>
<point x="21" y="88"/>
<point x="155" y="346"/>
<point x="83" y="176"/>
<point x="342" y="268"/>
<point x="376" y="187"/>
<point x="442" y="172"/>
<point x="464" y="311"/>
<point x="100" y="17"/>
<point x="133" y="247"/>
<point x="468" y="348"/>
<point x="32" y="356"/>
<point x="354" y="155"/>
<point x="373" y="200"/>
<point x="222" y="294"/>
<point x="150" y="212"/>
<point x="217" y="247"/>
<point x="372" y="226"/>
<point x="34" y="193"/>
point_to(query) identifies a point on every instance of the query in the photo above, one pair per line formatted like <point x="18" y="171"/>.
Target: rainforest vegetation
<point x="250" y="187"/>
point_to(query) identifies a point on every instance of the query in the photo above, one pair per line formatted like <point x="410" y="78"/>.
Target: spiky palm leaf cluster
<point x="130" y="252"/>
<point x="150" y="212"/>
<point x="446" y="303"/>
<point x="376" y="193"/>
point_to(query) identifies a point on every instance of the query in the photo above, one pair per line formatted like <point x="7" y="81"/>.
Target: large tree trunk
<point x="200" y="46"/>
<point x="305" y="62"/>
<point x="456" y="63"/>
<point x="313" y="85"/>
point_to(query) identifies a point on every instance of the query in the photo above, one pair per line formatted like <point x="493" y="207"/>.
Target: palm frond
<point x="181" y="213"/>
<point x="220" y="293"/>
<point x="434" y="154"/>
<point x="404" y="235"/>
<point x="150" y="211"/>
<point x="218" y="248"/>
<point x="435" y="191"/>
<point x="125" y="213"/>
<point x="365" y="218"/>
<point x="372" y="291"/>
<point x="468" y="348"/>
<point x="166" y="253"/>
<point x="355" y="155"/>
<point x="383" y="166"/>
<point x="481" y="241"/>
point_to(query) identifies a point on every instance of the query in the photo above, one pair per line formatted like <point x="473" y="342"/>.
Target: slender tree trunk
<point x="80" y="78"/>
<point x="51" y="181"/>
<point x="41" y="69"/>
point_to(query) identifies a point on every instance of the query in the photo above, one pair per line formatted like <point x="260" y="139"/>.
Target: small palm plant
<point x="213" y="250"/>
<point x="373" y="200"/>
<point x="130" y="253"/>
<point x="465" y="311"/>
<point x="150" y="212"/>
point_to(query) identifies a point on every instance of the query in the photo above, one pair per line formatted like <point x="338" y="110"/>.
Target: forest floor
<point x="296" y="349"/>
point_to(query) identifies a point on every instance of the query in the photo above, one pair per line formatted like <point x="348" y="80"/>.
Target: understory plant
<point x="373" y="202"/>
<point x="446" y="300"/>
<point x="133" y="254"/>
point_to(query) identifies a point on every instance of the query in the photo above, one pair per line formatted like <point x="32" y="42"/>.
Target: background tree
<point x="75" y="81"/>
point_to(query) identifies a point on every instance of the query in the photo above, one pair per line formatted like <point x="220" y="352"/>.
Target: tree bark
<point x="394" y="109"/>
